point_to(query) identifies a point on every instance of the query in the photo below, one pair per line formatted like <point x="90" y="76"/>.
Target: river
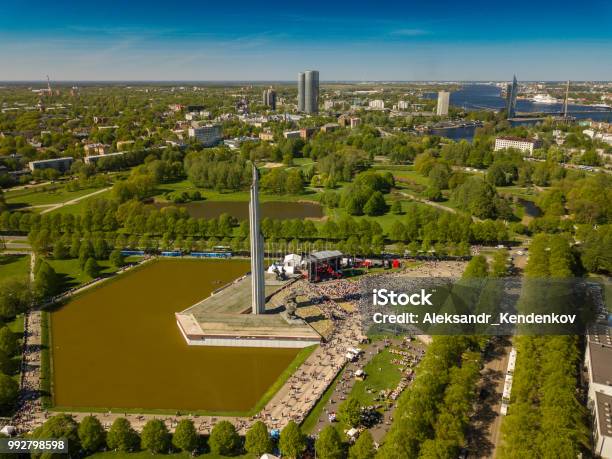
<point x="472" y="97"/>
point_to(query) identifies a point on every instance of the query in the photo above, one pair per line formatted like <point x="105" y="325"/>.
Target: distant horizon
<point x="484" y="81"/>
<point x="274" y="40"/>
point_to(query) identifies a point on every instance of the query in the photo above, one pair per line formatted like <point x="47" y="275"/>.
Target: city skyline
<point x="395" y="42"/>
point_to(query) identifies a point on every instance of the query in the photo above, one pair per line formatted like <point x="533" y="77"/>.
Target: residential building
<point x="267" y="136"/>
<point x="124" y="143"/>
<point x="60" y="164"/>
<point x="208" y="135"/>
<point x="402" y="105"/>
<point x="235" y="143"/>
<point x="354" y="121"/>
<point x="598" y="368"/>
<point x="292" y="134"/>
<point x="443" y="101"/>
<point x="524" y="145"/>
<point x="377" y="104"/>
<point x="308" y="91"/>
<point x="305" y="133"/>
<point x="93" y="159"/>
<point x="269" y="98"/>
<point x="96" y="149"/>
<point x="329" y="127"/>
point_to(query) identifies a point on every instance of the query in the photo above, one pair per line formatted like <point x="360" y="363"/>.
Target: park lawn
<point x="71" y="273"/>
<point x="78" y="207"/>
<point x="381" y="374"/>
<point x="527" y="193"/>
<point x="385" y="221"/>
<point x="14" y="266"/>
<point x="147" y="454"/>
<point x="43" y="196"/>
<point x="212" y="195"/>
<point x="17" y="326"/>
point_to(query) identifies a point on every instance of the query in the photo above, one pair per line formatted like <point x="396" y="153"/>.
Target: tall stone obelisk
<point x="258" y="297"/>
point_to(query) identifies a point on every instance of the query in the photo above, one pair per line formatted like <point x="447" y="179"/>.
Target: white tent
<point x="8" y="430"/>
<point x="292" y="263"/>
<point x="268" y="456"/>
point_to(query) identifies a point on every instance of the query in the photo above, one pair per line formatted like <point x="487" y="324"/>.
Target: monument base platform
<point x="224" y="319"/>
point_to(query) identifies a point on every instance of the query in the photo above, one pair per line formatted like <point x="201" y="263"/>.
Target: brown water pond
<point x="240" y="209"/>
<point x="118" y="345"/>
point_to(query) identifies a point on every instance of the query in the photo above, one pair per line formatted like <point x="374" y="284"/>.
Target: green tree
<point x="396" y="207"/>
<point x="91" y="434"/>
<point x="224" y="439"/>
<point x="185" y="436"/>
<point x="499" y="266"/>
<point x="60" y="251"/>
<point x="350" y="412"/>
<point x="292" y="441"/>
<point x="46" y="280"/>
<point x="8" y="391"/>
<point x="477" y="268"/>
<point x="92" y="269"/>
<point x="363" y="448"/>
<point x="258" y="440"/>
<point x="329" y="444"/>
<point x="8" y="341"/>
<point x="15" y="297"/>
<point x="60" y="426"/>
<point x="375" y="205"/>
<point x="122" y="437"/>
<point x="117" y="259"/>
<point x="155" y="436"/>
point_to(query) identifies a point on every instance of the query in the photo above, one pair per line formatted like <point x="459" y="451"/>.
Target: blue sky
<point x="273" y="40"/>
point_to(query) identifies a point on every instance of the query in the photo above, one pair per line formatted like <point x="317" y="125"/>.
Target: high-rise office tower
<point x="443" y="100"/>
<point x="511" y="93"/>
<point x="269" y="98"/>
<point x="308" y="91"/>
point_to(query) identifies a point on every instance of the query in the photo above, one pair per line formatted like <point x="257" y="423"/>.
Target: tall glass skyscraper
<point x="308" y="91"/>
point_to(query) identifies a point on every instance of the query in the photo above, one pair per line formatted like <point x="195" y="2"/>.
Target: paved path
<point x="73" y="201"/>
<point x="434" y="204"/>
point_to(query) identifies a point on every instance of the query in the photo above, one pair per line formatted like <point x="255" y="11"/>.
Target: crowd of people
<point x="29" y="403"/>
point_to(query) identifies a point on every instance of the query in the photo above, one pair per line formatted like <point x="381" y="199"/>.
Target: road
<point x="484" y="436"/>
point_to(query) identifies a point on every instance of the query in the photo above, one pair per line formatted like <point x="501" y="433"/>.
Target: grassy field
<point x="16" y="326"/>
<point x="381" y="375"/>
<point x="71" y="273"/>
<point x="50" y="194"/>
<point x="78" y="207"/>
<point x="527" y="193"/>
<point x="212" y="195"/>
<point x="14" y="266"/>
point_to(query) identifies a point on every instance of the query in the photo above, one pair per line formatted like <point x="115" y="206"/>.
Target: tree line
<point x="89" y="436"/>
